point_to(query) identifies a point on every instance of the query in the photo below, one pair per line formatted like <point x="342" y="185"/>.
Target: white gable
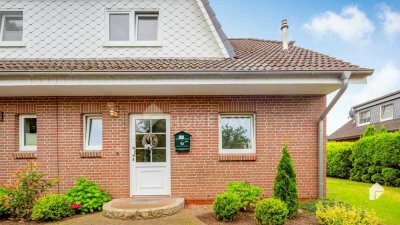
<point x="76" y="28"/>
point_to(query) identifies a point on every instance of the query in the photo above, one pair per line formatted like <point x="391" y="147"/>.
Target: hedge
<point x="339" y="159"/>
<point x="377" y="159"/>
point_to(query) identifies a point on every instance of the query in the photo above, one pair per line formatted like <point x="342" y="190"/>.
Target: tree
<point x="369" y="131"/>
<point x="285" y="184"/>
<point x="382" y="129"/>
<point x="234" y="138"/>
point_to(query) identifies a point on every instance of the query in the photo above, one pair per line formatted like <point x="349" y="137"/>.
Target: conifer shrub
<point x="285" y="184"/>
<point x="226" y="206"/>
<point x="369" y="131"/>
<point x="271" y="212"/>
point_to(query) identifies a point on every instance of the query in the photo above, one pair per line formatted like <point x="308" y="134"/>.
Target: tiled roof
<point x="251" y="55"/>
<point x="351" y="130"/>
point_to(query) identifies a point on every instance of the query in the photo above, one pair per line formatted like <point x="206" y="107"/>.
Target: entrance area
<point x="150" y="168"/>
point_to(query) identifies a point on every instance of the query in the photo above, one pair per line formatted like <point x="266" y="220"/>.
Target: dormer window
<point x="146" y="27"/>
<point x="132" y="28"/>
<point x="11" y="28"/>
<point x="387" y="112"/>
<point x="364" y="117"/>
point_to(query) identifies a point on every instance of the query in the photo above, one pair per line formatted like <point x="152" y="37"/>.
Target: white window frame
<point x="381" y="110"/>
<point x="85" y="137"/>
<point x="252" y="116"/>
<point x="133" y="25"/>
<point x="147" y="14"/>
<point x="11" y="43"/>
<point x="359" y="117"/>
<point x="22" y="146"/>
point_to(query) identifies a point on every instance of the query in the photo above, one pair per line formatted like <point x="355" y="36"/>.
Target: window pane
<point x="95" y="132"/>
<point x="12" y="28"/>
<point x="158" y="126"/>
<point x="365" y="117"/>
<point x="119" y="27"/>
<point x="143" y="155"/>
<point x="236" y="132"/>
<point x="142" y="126"/>
<point x="30" y="135"/>
<point x="161" y="140"/>
<point x="147" y="29"/>
<point x="159" y="155"/>
<point x="387" y="112"/>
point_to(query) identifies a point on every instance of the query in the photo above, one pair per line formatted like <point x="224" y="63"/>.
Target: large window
<point x="364" y="118"/>
<point x="11" y="26"/>
<point x="128" y="27"/>
<point x="27" y="133"/>
<point x="387" y="112"/>
<point x="236" y="134"/>
<point x="93" y="131"/>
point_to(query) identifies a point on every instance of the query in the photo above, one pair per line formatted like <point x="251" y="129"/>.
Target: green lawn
<point x="387" y="207"/>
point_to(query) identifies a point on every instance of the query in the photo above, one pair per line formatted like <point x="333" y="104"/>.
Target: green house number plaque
<point x="182" y="141"/>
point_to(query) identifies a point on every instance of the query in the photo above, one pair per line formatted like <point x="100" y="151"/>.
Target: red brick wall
<point x="200" y="174"/>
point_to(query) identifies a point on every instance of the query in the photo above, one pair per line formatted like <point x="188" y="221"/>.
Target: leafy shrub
<point x="52" y="207"/>
<point x="339" y="159"/>
<point x="376" y="159"/>
<point x="285" y="184"/>
<point x="88" y="196"/>
<point x="382" y="129"/>
<point x="3" y="195"/>
<point x="26" y="191"/>
<point x="369" y="131"/>
<point x="226" y="206"/>
<point x="310" y="207"/>
<point x="249" y="195"/>
<point x="342" y="215"/>
<point x="271" y="212"/>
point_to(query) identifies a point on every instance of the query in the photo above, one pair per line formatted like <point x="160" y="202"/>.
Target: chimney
<point x="285" y="41"/>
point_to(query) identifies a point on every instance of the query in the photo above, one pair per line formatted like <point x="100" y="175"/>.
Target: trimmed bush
<point x="339" y="159"/>
<point x="343" y="215"/>
<point x="3" y="196"/>
<point x="369" y="131"/>
<point x="271" y="212"/>
<point x="285" y="184"/>
<point x="87" y="196"/>
<point x="52" y="207"/>
<point x="382" y="129"/>
<point x="249" y="194"/>
<point x="226" y="206"/>
<point x="376" y="159"/>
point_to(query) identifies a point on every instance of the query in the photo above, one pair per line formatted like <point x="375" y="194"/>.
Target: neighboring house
<point x="87" y="86"/>
<point x="384" y="111"/>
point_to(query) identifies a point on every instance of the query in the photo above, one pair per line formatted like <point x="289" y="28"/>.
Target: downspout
<point x="321" y="166"/>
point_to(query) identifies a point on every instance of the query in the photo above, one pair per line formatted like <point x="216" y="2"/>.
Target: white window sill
<point x="236" y="151"/>
<point x="12" y="44"/>
<point x="28" y="149"/>
<point x="363" y="124"/>
<point x="383" y="120"/>
<point x="93" y="149"/>
<point x="132" y="44"/>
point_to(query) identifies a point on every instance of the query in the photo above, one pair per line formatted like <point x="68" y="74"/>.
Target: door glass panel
<point x="161" y="140"/>
<point x="143" y="155"/>
<point x="147" y="126"/>
<point x="142" y="126"/>
<point x="159" y="155"/>
<point x="158" y="126"/>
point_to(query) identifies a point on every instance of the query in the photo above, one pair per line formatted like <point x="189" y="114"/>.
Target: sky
<point x="363" y="32"/>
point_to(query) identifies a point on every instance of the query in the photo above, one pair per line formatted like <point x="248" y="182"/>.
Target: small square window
<point x="237" y="134"/>
<point x="27" y="133"/>
<point x="11" y="26"/>
<point x="93" y="131"/>
<point x="364" y="117"/>
<point x="119" y="26"/>
<point x="147" y="27"/>
<point x="387" y="112"/>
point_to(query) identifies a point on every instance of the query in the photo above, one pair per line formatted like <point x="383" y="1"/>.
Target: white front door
<point x="150" y="171"/>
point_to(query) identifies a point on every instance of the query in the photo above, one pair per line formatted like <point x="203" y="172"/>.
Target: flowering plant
<point x="76" y="205"/>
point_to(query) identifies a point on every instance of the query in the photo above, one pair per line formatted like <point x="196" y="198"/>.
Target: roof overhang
<point x="172" y="83"/>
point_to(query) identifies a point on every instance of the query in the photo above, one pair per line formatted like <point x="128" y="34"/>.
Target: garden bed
<point x="206" y="215"/>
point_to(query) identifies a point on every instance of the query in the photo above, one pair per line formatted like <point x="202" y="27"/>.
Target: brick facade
<point x="197" y="175"/>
